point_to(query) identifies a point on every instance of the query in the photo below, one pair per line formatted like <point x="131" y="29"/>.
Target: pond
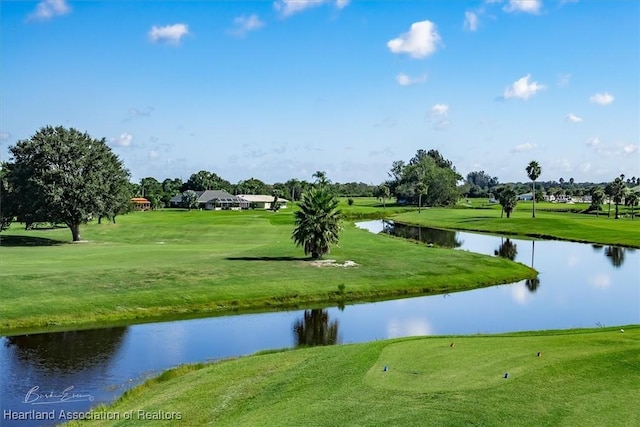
<point x="580" y="285"/>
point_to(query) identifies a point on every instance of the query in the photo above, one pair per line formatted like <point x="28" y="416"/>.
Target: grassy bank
<point x="583" y="377"/>
<point x="551" y="225"/>
<point x="153" y="265"/>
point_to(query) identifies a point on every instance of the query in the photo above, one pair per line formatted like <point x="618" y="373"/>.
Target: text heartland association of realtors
<point x="63" y="415"/>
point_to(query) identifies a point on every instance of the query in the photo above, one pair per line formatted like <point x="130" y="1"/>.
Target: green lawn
<point x="582" y="378"/>
<point x="164" y="264"/>
<point x="553" y="225"/>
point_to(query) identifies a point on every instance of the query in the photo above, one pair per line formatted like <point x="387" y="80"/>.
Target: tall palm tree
<point x="508" y="200"/>
<point x="317" y="222"/>
<point x="533" y="171"/>
<point x="321" y="178"/>
<point x="597" y="197"/>
<point x="421" y="188"/>
<point x="632" y="200"/>
<point x="384" y="193"/>
<point x="618" y="192"/>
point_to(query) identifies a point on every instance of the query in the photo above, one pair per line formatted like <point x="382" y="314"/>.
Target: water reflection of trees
<point x="532" y="284"/>
<point x="507" y="249"/>
<point x="434" y="236"/>
<point x="615" y="255"/>
<point x="67" y="351"/>
<point x="315" y="328"/>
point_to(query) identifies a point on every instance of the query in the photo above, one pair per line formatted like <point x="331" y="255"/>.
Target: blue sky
<point x="279" y="90"/>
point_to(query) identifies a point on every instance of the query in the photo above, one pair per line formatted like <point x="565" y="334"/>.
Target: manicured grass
<point x="582" y="378"/>
<point x="553" y="225"/>
<point x="154" y="265"/>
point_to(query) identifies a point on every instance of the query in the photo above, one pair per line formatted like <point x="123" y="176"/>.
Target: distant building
<point x="263" y="201"/>
<point x="140" y="204"/>
<point x="525" y="196"/>
<point x="213" y="200"/>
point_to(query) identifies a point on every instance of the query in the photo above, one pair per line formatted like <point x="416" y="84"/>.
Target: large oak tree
<point x="64" y="176"/>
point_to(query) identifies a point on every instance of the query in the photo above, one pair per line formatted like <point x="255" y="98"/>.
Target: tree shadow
<point x="268" y="258"/>
<point x="27" y="241"/>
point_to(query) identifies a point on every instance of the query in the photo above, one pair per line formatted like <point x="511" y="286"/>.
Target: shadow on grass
<point x="28" y="241"/>
<point x="268" y="258"/>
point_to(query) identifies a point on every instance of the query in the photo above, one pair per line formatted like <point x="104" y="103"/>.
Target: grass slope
<point x="583" y="377"/>
<point x="553" y="225"/>
<point x="153" y="265"/>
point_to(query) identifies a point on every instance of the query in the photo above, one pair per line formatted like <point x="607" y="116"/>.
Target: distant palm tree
<point x="618" y="192"/>
<point x="597" y="197"/>
<point x="508" y="200"/>
<point x="321" y="178"/>
<point x="317" y="222"/>
<point x="421" y="188"/>
<point x="384" y="193"/>
<point x="534" y="171"/>
<point x="632" y="200"/>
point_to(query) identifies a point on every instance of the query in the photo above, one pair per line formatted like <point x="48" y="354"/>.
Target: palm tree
<point x="618" y="192"/>
<point x="632" y="200"/>
<point x="421" y="188"/>
<point x="533" y="171"/>
<point x="317" y="222"/>
<point x="321" y="178"/>
<point x="508" y="200"/>
<point x="597" y="197"/>
<point x="384" y="193"/>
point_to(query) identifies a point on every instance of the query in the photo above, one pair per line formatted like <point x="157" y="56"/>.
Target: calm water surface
<point x="580" y="285"/>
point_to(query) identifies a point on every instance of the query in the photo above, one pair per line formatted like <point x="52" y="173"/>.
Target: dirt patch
<point x="333" y="263"/>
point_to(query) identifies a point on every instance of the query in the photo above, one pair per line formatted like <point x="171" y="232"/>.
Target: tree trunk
<point x="533" y="197"/>
<point x="419" y="202"/>
<point x="508" y="214"/>
<point x="609" y="212"/>
<point x="617" y="216"/>
<point x="99" y="219"/>
<point x="75" y="232"/>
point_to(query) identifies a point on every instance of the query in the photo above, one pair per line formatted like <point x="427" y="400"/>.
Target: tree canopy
<point x="64" y="176"/>
<point x="430" y="169"/>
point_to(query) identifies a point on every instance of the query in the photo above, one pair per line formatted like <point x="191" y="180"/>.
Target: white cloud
<point x="526" y="6"/>
<point x="153" y="154"/>
<point x="470" y="21"/>
<point x="4" y="136"/>
<point x="419" y="42"/>
<point x="563" y="79"/>
<point x="584" y="167"/>
<point x="244" y="24"/>
<point x="168" y="33"/>
<point x="573" y="118"/>
<point x="124" y="140"/>
<point x="527" y="146"/>
<point x="47" y="9"/>
<point x="290" y="7"/>
<point x="439" y="116"/>
<point x="408" y="328"/>
<point x="630" y="148"/>
<point x="601" y="281"/>
<point x="405" y="80"/>
<point x="602" y="98"/>
<point x="522" y="89"/>
<point x="594" y="141"/>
